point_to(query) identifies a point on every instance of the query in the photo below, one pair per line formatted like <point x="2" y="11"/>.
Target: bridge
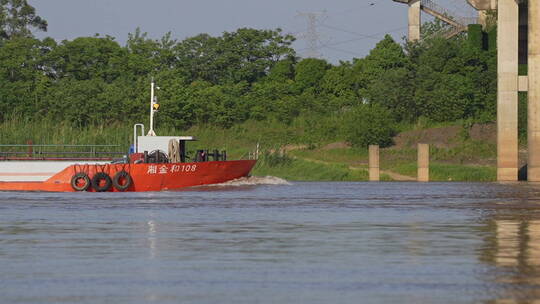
<point x="457" y="24"/>
<point x="518" y="42"/>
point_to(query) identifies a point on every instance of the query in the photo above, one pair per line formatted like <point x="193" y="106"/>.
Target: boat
<point x="153" y="163"/>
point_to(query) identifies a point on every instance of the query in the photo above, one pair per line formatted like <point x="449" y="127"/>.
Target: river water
<point x="268" y="241"/>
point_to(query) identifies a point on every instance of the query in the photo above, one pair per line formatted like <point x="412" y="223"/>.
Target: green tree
<point x="23" y="73"/>
<point x="340" y="85"/>
<point x="248" y="54"/>
<point x="244" y="55"/>
<point x="273" y="99"/>
<point x="454" y="81"/>
<point x="87" y="58"/>
<point x="283" y="70"/>
<point x="385" y="78"/>
<point x="386" y="55"/>
<point x="369" y="125"/>
<point x="309" y="73"/>
<point x="18" y="18"/>
<point x="143" y="54"/>
<point x="80" y="102"/>
<point x="394" y="89"/>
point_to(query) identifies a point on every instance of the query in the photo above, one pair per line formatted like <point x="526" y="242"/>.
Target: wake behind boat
<point x="154" y="163"/>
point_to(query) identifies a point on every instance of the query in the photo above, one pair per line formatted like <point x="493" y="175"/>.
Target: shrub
<point x="276" y="159"/>
<point x="369" y="125"/>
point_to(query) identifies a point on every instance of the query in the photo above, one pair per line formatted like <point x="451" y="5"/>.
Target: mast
<point x="153" y="108"/>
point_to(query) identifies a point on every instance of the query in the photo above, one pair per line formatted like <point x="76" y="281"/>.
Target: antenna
<point x="312" y="36"/>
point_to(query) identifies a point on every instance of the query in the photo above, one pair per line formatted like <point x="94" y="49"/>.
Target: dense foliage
<point x="369" y="125"/>
<point x="247" y="74"/>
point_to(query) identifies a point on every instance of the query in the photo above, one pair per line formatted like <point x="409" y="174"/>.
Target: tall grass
<point x="449" y="172"/>
<point x="469" y="150"/>
<point x="301" y="170"/>
<point x="46" y="131"/>
<point x="353" y="156"/>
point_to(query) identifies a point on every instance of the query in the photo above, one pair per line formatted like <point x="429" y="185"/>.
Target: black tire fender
<point x="98" y="178"/>
<point x="117" y="180"/>
<point x="81" y="176"/>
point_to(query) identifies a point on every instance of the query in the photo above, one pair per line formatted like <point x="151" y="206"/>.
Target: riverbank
<point x="457" y="153"/>
<point x="317" y="165"/>
<point x="288" y="151"/>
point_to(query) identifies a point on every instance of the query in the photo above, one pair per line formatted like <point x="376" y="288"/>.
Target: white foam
<point x="255" y="180"/>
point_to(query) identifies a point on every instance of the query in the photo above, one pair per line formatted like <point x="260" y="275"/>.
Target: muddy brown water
<point x="266" y="241"/>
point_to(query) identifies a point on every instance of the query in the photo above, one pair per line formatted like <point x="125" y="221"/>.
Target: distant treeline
<point x="247" y="74"/>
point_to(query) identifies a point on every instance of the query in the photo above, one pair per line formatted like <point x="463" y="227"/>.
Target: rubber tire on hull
<point x="75" y="179"/>
<point x="96" y="182"/>
<point x="116" y="181"/>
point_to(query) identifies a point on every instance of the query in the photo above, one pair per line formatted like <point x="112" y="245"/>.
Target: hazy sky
<point x="342" y="29"/>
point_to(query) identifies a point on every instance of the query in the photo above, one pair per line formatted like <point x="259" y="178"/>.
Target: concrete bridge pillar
<point x="374" y="171"/>
<point x="423" y="163"/>
<point x="533" y="133"/>
<point x="507" y="97"/>
<point x="415" y="13"/>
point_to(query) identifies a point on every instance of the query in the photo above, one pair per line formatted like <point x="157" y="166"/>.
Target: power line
<point x="347" y="31"/>
<point x="375" y="36"/>
<point x="343" y="51"/>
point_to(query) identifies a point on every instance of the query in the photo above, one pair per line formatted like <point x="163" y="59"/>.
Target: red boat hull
<point x="146" y="177"/>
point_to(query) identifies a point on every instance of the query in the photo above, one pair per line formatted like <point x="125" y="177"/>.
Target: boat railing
<point x="60" y="152"/>
<point x="252" y="154"/>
